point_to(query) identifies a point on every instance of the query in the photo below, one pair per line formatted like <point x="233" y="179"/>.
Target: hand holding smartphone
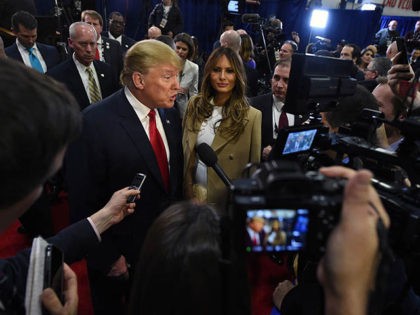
<point x="402" y="48"/>
<point x="136" y="183"/>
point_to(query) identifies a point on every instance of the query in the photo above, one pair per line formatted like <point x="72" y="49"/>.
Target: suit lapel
<point x="101" y="76"/>
<point x="219" y="140"/>
<point x="171" y="136"/>
<point x="131" y="124"/>
<point x="77" y="82"/>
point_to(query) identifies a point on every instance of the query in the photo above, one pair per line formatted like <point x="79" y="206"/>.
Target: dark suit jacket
<point x="126" y="42"/>
<point x="113" y="55"/>
<point x="67" y="73"/>
<point x="75" y="242"/>
<point x="264" y="103"/>
<point x="49" y="53"/>
<point x="114" y="147"/>
<point x="175" y="23"/>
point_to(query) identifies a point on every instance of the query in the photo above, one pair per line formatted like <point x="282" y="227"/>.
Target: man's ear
<point x="138" y="80"/>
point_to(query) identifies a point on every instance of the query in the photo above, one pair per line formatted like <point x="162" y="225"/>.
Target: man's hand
<point x="348" y="269"/>
<point x="398" y="73"/>
<point x="119" y="268"/>
<point x="266" y="152"/>
<point x="52" y="303"/>
<point x="115" y="210"/>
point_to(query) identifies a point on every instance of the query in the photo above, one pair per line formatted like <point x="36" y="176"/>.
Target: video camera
<point x="287" y="193"/>
<point x="306" y="204"/>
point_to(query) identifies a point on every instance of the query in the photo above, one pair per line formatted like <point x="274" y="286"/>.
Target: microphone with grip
<point x="207" y="155"/>
<point x="251" y="18"/>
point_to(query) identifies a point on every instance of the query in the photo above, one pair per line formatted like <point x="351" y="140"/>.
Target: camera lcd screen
<point x="276" y="230"/>
<point x="235" y="6"/>
<point x="299" y="141"/>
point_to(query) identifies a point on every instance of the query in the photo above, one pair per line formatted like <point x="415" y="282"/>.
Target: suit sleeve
<point x="75" y="242"/>
<point x="179" y="22"/>
<point x="255" y="154"/>
<point x="193" y="88"/>
<point x="152" y="18"/>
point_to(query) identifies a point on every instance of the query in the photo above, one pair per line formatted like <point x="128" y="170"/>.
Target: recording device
<point x="402" y="48"/>
<point x="207" y="155"/>
<point x="294" y="140"/>
<point x="316" y="83"/>
<point x="137" y="183"/>
<point x="307" y="204"/>
<point x="53" y="272"/>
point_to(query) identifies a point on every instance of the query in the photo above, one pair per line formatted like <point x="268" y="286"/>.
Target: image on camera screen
<point x="276" y="230"/>
<point x="299" y="141"/>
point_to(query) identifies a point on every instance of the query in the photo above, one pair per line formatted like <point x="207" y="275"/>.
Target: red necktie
<point x="97" y="54"/>
<point x="254" y="240"/>
<point x="283" y="121"/>
<point x="159" y="149"/>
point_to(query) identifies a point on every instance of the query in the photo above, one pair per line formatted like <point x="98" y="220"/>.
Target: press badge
<point x="163" y="22"/>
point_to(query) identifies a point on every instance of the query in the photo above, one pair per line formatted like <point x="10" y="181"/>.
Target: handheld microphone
<point x="251" y="18"/>
<point x="207" y="155"/>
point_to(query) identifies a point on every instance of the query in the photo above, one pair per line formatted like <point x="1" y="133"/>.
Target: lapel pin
<point x="167" y="121"/>
<point x="102" y="75"/>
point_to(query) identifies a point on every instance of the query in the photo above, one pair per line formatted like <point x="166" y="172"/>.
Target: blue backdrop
<point x="202" y="19"/>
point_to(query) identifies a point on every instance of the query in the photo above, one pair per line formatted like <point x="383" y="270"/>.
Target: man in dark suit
<point x="271" y="105"/>
<point x="73" y="72"/>
<point x="121" y="137"/>
<point x="116" y="26"/>
<point x="108" y="50"/>
<point x="39" y="56"/>
<point x="167" y="16"/>
<point x="255" y="232"/>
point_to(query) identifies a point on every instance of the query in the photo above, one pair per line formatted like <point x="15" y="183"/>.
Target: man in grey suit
<point x="271" y="105"/>
<point x="76" y="71"/>
<point x="26" y="49"/>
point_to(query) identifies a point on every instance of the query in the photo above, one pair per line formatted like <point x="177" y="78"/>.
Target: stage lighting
<point x="319" y="19"/>
<point x="368" y="7"/>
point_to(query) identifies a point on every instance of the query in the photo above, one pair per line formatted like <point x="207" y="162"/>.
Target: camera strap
<point x="376" y="298"/>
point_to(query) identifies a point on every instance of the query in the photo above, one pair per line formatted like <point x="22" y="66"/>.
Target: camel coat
<point x="233" y="155"/>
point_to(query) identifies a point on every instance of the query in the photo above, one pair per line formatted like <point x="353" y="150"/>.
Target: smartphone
<point x="276" y="230"/>
<point x="403" y="58"/>
<point x="136" y="183"/>
<point x="53" y="270"/>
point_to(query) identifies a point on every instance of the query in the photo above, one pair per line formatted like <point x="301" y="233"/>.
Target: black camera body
<point x="307" y="206"/>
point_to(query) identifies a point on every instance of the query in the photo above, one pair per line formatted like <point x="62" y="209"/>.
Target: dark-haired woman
<point x="220" y="116"/>
<point x="188" y="79"/>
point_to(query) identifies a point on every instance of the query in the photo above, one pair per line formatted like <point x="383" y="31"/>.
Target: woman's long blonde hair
<point x="236" y="107"/>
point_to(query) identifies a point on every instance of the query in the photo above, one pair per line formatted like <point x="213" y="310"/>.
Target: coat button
<point x="230" y="156"/>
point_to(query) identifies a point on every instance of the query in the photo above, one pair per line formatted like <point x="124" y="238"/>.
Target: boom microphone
<point x="251" y="18"/>
<point x="207" y="155"/>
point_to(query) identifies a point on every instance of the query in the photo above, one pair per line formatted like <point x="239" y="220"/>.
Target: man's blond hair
<point x="147" y="54"/>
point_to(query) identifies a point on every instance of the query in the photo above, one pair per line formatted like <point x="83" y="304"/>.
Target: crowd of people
<point x="117" y="106"/>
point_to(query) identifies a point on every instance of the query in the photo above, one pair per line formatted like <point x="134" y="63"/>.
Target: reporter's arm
<point x="348" y="269"/>
<point x="82" y="237"/>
